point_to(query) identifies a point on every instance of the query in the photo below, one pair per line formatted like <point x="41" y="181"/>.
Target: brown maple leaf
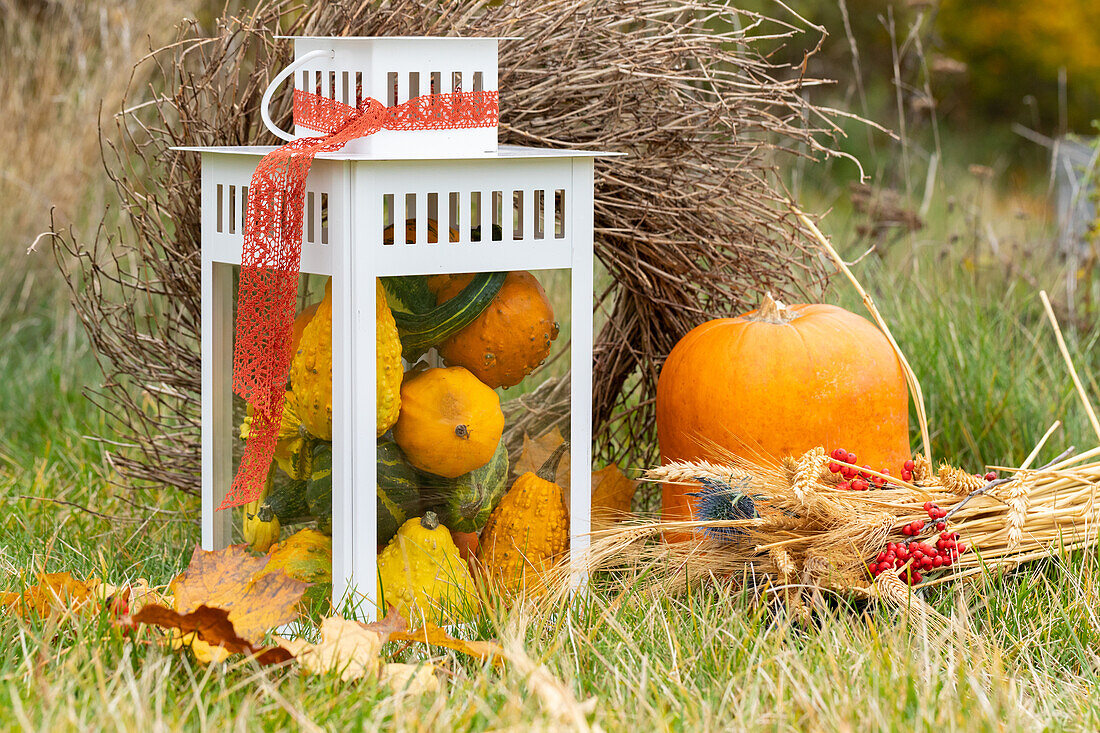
<point x="213" y="626"/>
<point x="537" y="450"/>
<point x="612" y="493"/>
<point x="54" y="593"/>
<point x="220" y="600"/>
<point x="233" y="579"/>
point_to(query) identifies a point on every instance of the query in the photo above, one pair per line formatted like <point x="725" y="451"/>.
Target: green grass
<point x="708" y="661"/>
<point x="712" y="660"/>
<point x="969" y="319"/>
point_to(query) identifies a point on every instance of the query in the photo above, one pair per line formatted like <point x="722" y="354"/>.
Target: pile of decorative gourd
<point x="445" y="512"/>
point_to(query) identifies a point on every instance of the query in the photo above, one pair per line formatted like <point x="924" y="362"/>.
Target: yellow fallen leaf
<point x="435" y="636"/>
<point x="346" y="646"/>
<point x="410" y="679"/>
<point x="54" y="593"/>
<point x="232" y="579"/>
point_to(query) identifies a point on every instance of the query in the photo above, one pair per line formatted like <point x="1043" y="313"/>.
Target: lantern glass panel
<point x="292" y="468"/>
<point x="517" y="352"/>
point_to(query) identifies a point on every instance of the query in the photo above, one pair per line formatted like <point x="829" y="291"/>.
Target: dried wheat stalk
<point x="808" y="529"/>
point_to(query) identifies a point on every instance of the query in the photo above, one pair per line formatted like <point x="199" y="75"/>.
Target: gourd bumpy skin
<point x="422" y="575"/>
<point x="388" y="370"/>
<point x="510" y="338"/>
<point x="307" y="556"/>
<point x="311" y="371"/>
<point x="311" y="368"/>
<point x="450" y="422"/>
<point x="525" y="536"/>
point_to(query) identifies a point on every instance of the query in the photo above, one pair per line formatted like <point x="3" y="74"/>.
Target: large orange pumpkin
<point x="776" y="382"/>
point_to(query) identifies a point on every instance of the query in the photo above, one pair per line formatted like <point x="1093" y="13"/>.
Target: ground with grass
<point x="961" y="295"/>
<point x="715" y="659"/>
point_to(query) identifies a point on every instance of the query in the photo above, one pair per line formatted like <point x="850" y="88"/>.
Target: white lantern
<point x="531" y="207"/>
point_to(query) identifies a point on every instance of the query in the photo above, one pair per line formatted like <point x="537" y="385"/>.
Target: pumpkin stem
<point x="430" y="520"/>
<point x="549" y="469"/>
<point x="772" y="311"/>
<point x="462" y="431"/>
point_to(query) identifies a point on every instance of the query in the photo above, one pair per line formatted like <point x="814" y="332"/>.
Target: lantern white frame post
<point x="351" y="197"/>
<point x="216" y="348"/>
<point x="580" y="386"/>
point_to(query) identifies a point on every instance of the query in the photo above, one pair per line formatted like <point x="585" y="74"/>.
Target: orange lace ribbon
<point x="271" y="257"/>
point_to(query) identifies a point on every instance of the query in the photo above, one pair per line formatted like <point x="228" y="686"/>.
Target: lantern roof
<point x="501" y="153"/>
<point x="402" y="38"/>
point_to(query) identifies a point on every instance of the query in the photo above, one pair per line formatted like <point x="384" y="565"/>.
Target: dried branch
<point x="691" y="224"/>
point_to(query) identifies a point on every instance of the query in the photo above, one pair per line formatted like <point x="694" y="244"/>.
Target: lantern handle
<point x="279" y="79"/>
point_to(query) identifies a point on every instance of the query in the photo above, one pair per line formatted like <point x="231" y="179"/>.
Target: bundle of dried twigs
<point x="689" y="225"/>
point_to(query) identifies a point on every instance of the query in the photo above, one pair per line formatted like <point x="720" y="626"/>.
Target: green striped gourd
<point x="463" y="504"/>
<point x="422" y="326"/>
<point x="398" y="488"/>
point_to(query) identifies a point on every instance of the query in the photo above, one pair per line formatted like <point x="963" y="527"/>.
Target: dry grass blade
<point x="910" y="375"/>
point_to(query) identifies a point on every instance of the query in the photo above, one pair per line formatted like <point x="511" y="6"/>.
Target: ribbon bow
<point x="271" y="257"/>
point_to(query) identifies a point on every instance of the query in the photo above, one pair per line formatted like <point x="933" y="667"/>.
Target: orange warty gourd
<point x="510" y="338"/>
<point x="450" y="422"/>
<point x="779" y="381"/>
<point x="528" y="532"/>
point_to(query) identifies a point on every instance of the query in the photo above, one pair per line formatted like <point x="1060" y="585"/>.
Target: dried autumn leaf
<point x="54" y="593"/>
<point x="210" y="625"/>
<point x="204" y="652"/>
<point x="346" y="646"/>
<point x="435" y="636"/>
<point x="232" y="579"/>
<point x="409" y="679"/>
<point x="612" y="493"/>
<point x="132" y="597"/>
<point x="221" y="601"/>
<point x="537" y="450"/>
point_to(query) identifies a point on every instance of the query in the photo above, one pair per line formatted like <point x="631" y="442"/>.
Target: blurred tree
<point x="1015" y="49"/>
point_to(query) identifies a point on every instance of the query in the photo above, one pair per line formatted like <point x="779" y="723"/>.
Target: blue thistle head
<point x="722" y="502"/>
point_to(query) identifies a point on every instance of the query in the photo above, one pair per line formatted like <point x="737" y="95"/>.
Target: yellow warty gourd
<point x="388" y="362"/>
<point x="311" y="371"/>
<point x="528" y="532"/>
<point x="293" y="448"/>
<point x="311" y="368"/>
<point x="422" y="575"/>
<point x="259" y="534"/>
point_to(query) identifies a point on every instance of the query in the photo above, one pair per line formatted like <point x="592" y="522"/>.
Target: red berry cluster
<point x="854" y="479"/>
<point x="915" y="556"/>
